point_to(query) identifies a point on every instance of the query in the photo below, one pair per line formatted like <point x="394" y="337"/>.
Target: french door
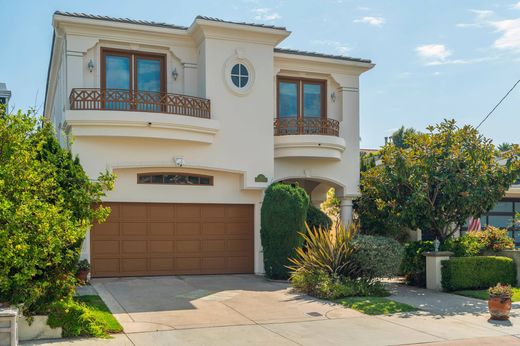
<point x="301" y="105"/>
<point x="133" y="80"/>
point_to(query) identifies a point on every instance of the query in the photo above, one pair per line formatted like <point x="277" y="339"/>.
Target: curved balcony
<point x="308" y="137"/>
<point x="139" y="101"/>
<point x="125" y="113"/>
<point x="306" y="126"/>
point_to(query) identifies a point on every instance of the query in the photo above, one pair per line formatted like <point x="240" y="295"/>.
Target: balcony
<point x="308" y="138"/>
<point x="306" y="126"/>
<point x="139" y="101"/>
<point x="126" y="113"/>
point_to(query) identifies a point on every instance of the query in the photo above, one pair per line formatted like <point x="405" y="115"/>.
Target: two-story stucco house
<point x="196" y="122"/>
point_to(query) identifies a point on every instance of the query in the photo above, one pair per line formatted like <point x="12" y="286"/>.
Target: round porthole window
<point x="240" y="75"/>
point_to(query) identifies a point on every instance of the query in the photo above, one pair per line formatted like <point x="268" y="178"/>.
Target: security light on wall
<point x="179" y="161"/>
<point x="90" y="65"/>
<point x="175" y="74"/>
<point x="333" y="96"/>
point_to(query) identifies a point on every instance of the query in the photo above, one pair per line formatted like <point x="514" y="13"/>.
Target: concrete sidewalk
<point x="271" y="315"/>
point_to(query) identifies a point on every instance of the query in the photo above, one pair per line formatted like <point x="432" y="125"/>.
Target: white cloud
<point x="339" y="47"/>
<point x="481" y="17"/>
<point x="517" y="5"/>
<point x="481" y="14"/>
<point x="433" y="52"/>
<point x="510" y="31"/>
<point x="266" y="14"/>
<point x="439" y="54"/>
<point x="374" y="21"/>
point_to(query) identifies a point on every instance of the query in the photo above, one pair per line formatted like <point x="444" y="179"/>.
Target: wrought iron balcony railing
<point x="139" y="101"/>
<point x="306" y="126"/>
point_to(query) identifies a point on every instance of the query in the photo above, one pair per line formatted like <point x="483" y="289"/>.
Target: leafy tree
<point x="45" y="210"/>
<point x="399" y="137"/>
<point x="434" y="184"/>
<point x="332" y="205"/>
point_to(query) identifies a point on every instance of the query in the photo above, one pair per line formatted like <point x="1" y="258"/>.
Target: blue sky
<point x="434" y="59"/>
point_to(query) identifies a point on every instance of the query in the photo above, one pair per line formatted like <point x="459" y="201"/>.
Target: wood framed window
<point x="175" y="179"/>
<point x="301" y="98"/>
<point x="135" y="79"/>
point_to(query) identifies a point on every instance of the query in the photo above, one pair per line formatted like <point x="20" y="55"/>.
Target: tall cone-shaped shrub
<point x="283" y="215"/>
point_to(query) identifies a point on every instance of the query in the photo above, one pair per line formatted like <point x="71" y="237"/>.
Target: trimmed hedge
<point x="316" y="218"/>
<point x="462" y="273"/>
<point x="376" y="256"/>
<point x="283" y="215"/>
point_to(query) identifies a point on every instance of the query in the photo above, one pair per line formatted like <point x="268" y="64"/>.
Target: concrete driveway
<point x="186" y="302"/>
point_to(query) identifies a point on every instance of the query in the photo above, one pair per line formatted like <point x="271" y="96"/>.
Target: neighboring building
<point x="184" y="117"/>
<point x="504" y="211"/>
<point x="5" y="94"/>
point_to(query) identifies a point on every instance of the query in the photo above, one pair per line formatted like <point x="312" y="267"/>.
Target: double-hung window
<point x="301" y="104"/>
<point x="132" y="80"/>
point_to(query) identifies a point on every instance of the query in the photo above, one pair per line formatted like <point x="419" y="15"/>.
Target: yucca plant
<point x="327" y="251"/>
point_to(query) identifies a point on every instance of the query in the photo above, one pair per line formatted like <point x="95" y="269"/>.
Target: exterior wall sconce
<point x="175" y="74"/>
<point x="333" y="96"/>
<point x="90" y="65"/>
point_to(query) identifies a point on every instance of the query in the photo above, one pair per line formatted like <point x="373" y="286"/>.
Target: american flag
<point x="474" y="224"/>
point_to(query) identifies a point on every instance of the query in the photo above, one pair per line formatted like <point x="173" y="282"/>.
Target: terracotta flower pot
<point x="499" y="307"/>
<point x="83" y="275"/>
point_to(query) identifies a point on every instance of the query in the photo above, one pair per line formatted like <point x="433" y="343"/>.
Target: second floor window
<point x="301" y="98"/>
<point x="132" y="79"/>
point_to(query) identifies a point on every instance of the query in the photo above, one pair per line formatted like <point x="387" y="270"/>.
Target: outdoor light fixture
<point x="179" y="161"/>
<point x="333" y="96"/>
<point x="175" y="74"/>
<point x="90" y="65"/>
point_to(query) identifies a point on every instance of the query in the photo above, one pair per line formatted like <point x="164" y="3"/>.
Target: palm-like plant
<point x="326" y="251"/>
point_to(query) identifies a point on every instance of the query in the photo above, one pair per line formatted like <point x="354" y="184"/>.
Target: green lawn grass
<point x="483" y="294"/>
<point x="102" y="313"/>
<point x="375" y="305"/>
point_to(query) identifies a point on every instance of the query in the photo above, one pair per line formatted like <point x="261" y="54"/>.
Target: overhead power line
<point x="498" y="104"/>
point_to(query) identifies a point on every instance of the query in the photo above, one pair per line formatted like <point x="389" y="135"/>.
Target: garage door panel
<point x="133" y="229"/>
<point x="105" y="230"/>
<point x="190" y="211"/>
<point x="161" y="212"/>
<point x="114" y="211"/>
<point x="133" y="265"/>
<point x="161" y="229"/>
<point x="238" y="228"/>
<point x="131" y="247"/>
<point x="187" y="246"/>
<point x="185" y="264"/>
<point x="239" y="211"/>
<point x="105" y="265"/>
<point x="159" y="248"/>
<point x="214" y="229"/>
<point x="104" y="248"/>
<point x="186" y="229"/>
<point x="162" y="264"/>
<point x="214" y="211"/>
<point x="217" y="245"/>
<point x="173" y="239"/>
<point x="133" y="211"/>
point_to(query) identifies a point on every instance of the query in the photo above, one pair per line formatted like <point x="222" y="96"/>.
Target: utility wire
<point x="498" y="104"/>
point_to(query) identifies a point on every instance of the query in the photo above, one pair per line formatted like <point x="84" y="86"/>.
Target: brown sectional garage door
<point x="142" y="239"/>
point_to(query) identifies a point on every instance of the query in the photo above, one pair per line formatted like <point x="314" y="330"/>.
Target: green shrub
<point x="495" y="239"/>
<point x="413" y="266"/>
<point x="470" y="244"/>
<point x="45" y="209"/>
<point x="460" y="273"/>
<point x="283" y="215"/>
<point x="316" y="218"/>
<point x="376" y="256"/>
<point x="76" y="319"/>
<point x="321" y="285"/>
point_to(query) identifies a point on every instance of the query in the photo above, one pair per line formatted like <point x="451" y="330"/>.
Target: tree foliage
<point x="45" y="209"/>
<point x="436" y="181"/>
<point x="283" y="215"/>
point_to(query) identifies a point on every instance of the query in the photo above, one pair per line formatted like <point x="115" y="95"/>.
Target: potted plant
<point x="83" y="270"/>
<point x="499" y="301"/>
